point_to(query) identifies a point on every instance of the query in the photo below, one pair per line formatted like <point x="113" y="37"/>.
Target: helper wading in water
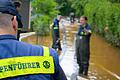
<point x="56" y="34"/>
<point x="83" y="46"/>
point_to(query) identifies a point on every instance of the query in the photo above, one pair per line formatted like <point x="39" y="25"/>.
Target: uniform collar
<point x="84" y="26"/>
<point x="8" y="36"/>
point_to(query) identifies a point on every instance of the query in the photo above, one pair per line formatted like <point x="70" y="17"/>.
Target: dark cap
<point x="6" y="6"/>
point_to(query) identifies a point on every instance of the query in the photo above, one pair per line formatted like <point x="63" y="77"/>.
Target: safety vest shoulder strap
<point x="46" y="51"/>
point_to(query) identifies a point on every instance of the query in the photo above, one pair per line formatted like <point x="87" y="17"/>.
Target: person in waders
<point x="83" y="46"/>
<point x="56" y="35"/>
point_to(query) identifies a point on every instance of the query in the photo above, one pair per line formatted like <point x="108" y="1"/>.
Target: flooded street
<point x="39" y="40"/>
<point x="104" y="59"/>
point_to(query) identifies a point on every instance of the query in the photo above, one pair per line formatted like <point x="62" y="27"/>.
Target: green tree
<point x="79" y="5"/>
<point x="65" y="7"/>
<point x="43" y="11"/>
<point x="41" y="26"/>
<point x="115" y="1"/>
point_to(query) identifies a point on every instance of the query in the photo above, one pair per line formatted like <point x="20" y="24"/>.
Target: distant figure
<point x="72" y="17"/>
<point x="83" y="46"/>
<point x="56" y="34"/>
<point x="18" y="17"/>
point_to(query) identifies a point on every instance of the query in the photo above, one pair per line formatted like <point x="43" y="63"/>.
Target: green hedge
<point x="101" y="14"/>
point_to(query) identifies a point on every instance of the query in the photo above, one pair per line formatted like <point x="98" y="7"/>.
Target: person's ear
<point x="14" y="23"/>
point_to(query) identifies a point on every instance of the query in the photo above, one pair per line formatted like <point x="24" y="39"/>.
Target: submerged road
<point x="104" y="58"/>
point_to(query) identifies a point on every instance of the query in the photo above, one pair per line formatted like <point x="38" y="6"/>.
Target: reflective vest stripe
<point x="83" y="33"/>
<point x="46" y="51"/>
<point x="11" y="67"/>
<point x="55" y="27"/>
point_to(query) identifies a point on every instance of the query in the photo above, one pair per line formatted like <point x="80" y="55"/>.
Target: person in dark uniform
<point x="83" y="46"/>
<point x="56" y="34"/>
<point x="72" y="17"/>
<point x="18" y="17"/>
<point x="22" y="61"/>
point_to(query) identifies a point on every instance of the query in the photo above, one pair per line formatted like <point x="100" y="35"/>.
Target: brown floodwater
<point x="39" y="40"/>
<point x="104" y="58"/>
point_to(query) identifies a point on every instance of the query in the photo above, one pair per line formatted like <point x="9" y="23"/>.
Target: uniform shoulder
<point x="88" y="25"/>
<point x="29" y="48"/>
<point x="36" y="48"/>
<point x="28" y="45"/>
<point x="53" y="52"/>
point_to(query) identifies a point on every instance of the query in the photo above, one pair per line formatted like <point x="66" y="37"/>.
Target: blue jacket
<point x="56" y="22"/>
<point x="10" y="47"/>
<point x="81" y="29"/>
<point x="56" y="31"/>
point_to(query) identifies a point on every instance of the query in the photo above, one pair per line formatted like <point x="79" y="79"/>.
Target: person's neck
<point x="5" y="32"/>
